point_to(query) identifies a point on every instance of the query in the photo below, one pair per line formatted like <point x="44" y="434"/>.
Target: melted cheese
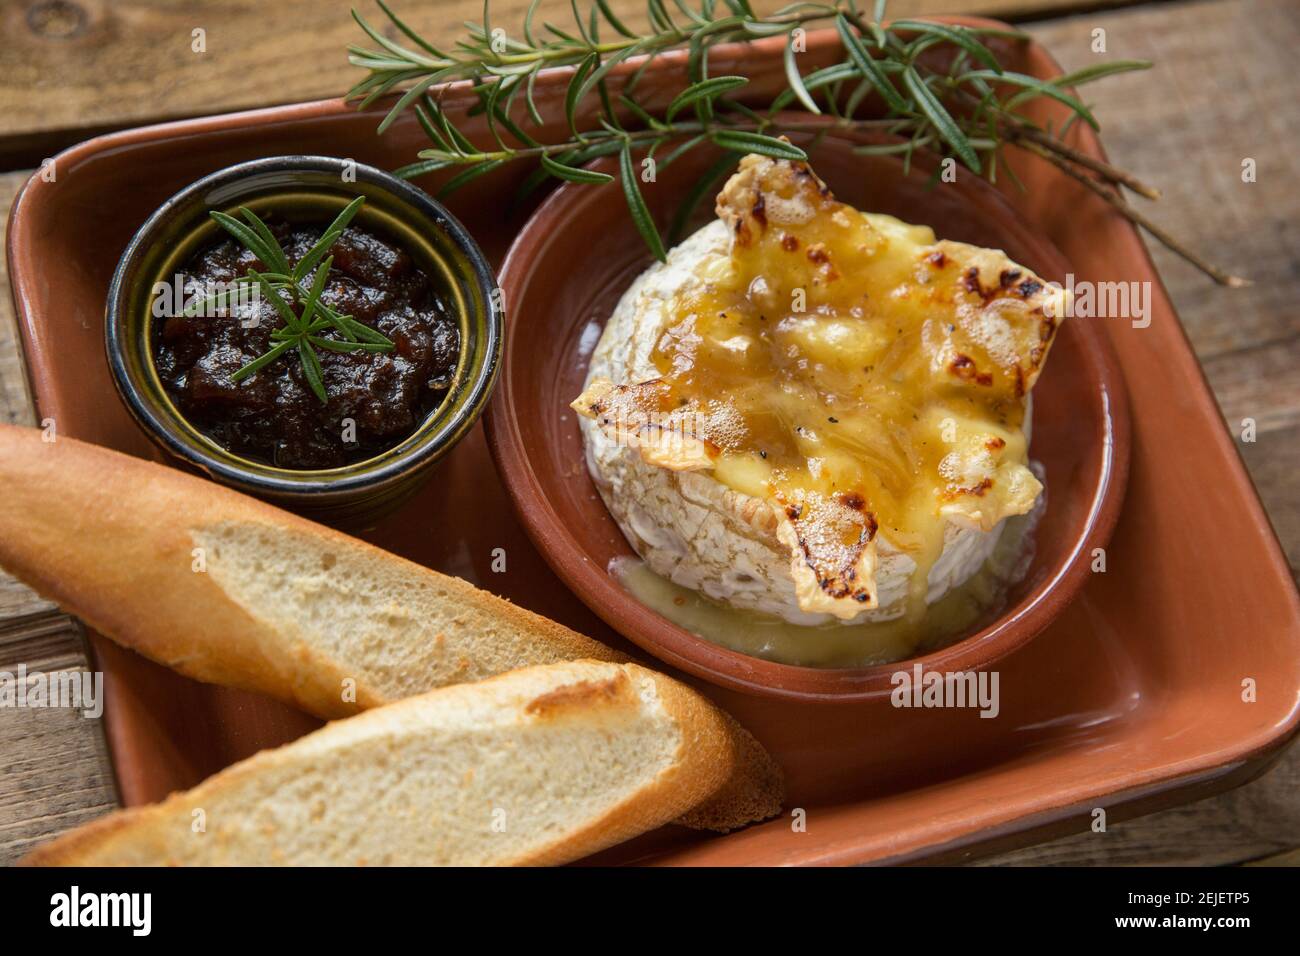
<point x="959" y="611"/>
<point x="864" y="378"/>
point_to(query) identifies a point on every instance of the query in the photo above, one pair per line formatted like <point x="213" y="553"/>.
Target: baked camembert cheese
<point x="815" y="412"/>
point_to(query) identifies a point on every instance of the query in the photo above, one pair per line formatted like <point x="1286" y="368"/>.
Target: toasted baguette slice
<point x="540" y="766"/>
<point x="284" y="606"/>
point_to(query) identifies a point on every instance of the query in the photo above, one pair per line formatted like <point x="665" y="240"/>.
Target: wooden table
<point x="1223" y="91"/>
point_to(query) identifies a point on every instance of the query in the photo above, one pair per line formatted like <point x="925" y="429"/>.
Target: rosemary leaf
<point x="310" y="303"/>
<point x="312" y="370"/>
<point x="659" y="16"/>
<point x="702" y="188"/>
<point x="1042" y="87"/>
<point x="759" y="28"/>
<point x="614" y="21"/>
<point x="273" y="295"/>
<point x="603" y="69"/>
<point x="688" y="12"/>
<point x="218" y="301"/>
<point x="958" y="36"/>
<point x="530" y="99"/>
<point x="639" y="111"/>
<point x="868" y="66"/>
<point x="362" y="333"/>
<point x="860" y="92"/>
<point x="567" y="37"/>
<point x="396" y="49"/>
<point x="884" y="149"/>
<point x="459" y="141"/>
<point x="681" y="150"/>
<point x="247" y="237"/>
<point x="704" y="89"/>
<point x="573" y="174"/>
<point x="641" y="217"/>
<point x="281" y="261"/>
<point x="1079" y="78"/>
<point x="430" y="130"/>
<point x="502" y="116"/>
<point x="742" y="141"/>
<point x="262" y="361"/>
<point x="942" y="120"/>
<point x="327" y="239"/>
<point x="470" y="174"/>
<point x="571" y="94"/>
<point x="816" y="80"/>
<point x="795" y="80"/>
<point x="334" y="345"/>
<point x="388" y="85"/>
<point x="411" y="34"/>
<point x="1097" y="72"/>
<point x="412" y="170"/>
<point x="413" y="94"/>
<point x="591" y="150"/>
<point x="528" y="23"/>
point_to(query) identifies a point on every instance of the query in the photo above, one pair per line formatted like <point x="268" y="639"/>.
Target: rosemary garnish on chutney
<point x="295" y="292"/>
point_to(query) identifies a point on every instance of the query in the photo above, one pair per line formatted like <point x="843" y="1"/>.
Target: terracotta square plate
<point x="1131" y="700"/>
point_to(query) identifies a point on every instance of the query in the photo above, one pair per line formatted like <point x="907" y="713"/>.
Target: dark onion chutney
<point x="273" y="416"/>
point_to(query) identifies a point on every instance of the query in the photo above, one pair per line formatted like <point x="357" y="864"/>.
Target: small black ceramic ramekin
<point x="315" y="186"/>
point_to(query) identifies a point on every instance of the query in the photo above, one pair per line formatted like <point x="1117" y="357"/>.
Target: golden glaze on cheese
<point x="848" y="368"/>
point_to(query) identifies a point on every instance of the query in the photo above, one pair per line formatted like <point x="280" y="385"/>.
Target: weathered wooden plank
<point x="1259" y="820"/>
<point x="56" y="769"/>
<point x="1274" y="463"/>
<point x="16" y="600"/>
<point x="73" y="67"/>
<point x="15" y="402"/>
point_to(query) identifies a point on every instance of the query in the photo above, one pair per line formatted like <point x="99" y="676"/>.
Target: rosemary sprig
<point x="965" y="105"/>
<point x="314" y="325"/>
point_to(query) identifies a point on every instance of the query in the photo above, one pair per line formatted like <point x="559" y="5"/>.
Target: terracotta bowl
<point x="562" y="278"/>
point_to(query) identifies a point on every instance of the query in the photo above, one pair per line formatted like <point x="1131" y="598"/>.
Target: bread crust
<point x="111" y="538"/>
<point x="713" y="757"/>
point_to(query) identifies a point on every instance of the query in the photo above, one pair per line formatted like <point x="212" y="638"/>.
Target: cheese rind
<point x="697" y="532"/>
<point x="814" y="412"/>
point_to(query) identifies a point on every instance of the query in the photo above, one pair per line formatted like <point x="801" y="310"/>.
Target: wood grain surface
<point x="73" y="67"/>
<point x="1222" y="92"/>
